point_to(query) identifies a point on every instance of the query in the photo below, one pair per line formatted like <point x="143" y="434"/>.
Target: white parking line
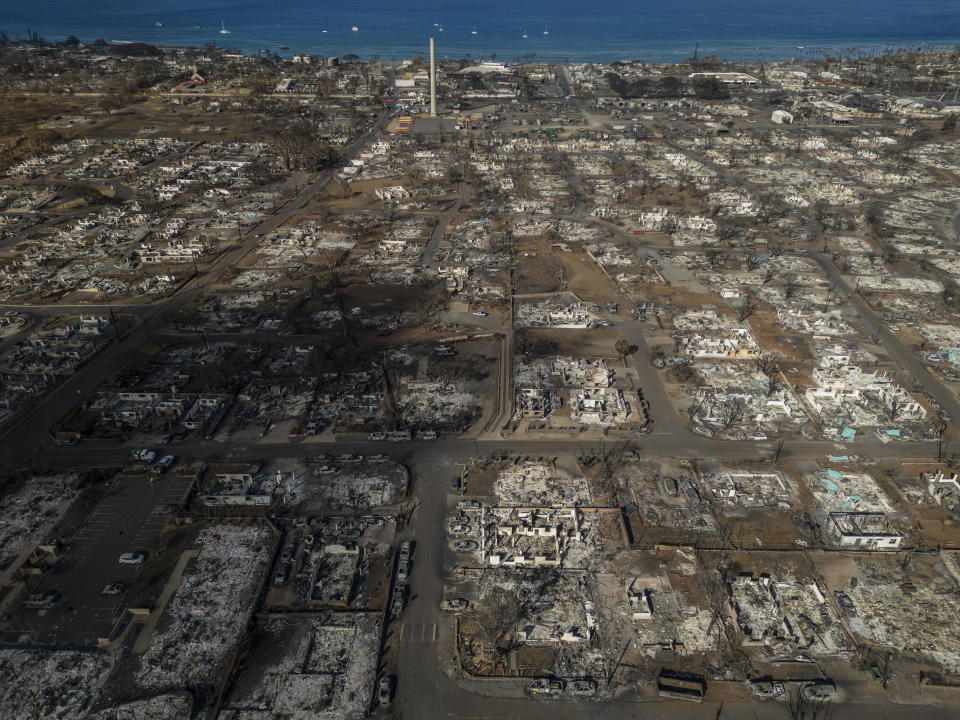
<point x="418" y="632"/>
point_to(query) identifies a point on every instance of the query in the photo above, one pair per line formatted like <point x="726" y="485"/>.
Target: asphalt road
<point x="121" y="522"/>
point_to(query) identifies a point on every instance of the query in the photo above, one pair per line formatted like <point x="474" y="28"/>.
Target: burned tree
<point x="769" y="366"/>
<point x="732" y="412"/>
<point x="748" y="307"/>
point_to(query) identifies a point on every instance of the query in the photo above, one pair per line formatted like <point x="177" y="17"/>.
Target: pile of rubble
<point x="171" y="706"/>
<point x="910" y="609"/>
<point x="49" y="684"/>
<point x="428" y="405"/>
<point x="326" y="673"/>
<point x="28" y="513"/>
<point x="357" y="485"/>
<point x="785" y="615"/>
<point x="210" y="609"/>
<point x="540" y="485"/>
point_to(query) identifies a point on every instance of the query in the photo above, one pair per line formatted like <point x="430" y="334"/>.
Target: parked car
<point x="114" y="588"/>
<point x="819" y="690"/>
<point x="546" y="688"/>
<point x="42" y="600"/>
<point x="376" y="436"/>
<point x="385" y="691"/>
<point x="166" y="462"/>
<point x="453" y="605"/>
<point x="766" y="689"/>
<point x="581" y="688"/>
<point x="132" y="558"/>
<point x="399" y="600"/>
<point x="144" y="455"/>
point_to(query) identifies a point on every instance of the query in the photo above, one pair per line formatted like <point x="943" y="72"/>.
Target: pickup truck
<point x="144" y="455"/>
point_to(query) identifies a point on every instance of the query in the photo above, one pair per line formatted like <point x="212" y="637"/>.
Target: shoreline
<point x="369" y="50"/>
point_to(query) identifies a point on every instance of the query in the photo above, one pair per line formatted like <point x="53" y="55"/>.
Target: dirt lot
<point x="589" y="343"/>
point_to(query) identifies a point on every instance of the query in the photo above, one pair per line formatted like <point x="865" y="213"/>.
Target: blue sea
<point x="557" y="30"/>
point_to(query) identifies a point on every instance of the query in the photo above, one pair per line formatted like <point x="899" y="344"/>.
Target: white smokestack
<point x="433" y="80"/>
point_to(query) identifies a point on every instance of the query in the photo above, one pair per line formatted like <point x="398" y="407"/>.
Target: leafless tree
<point x="683" y="371"/>
<point x="748" y="307"/>
<point x="699" y="400"/>
<point x="613" y="457"/>
<point x="770" y="367"/>
<point x="791" y="287"/>
<point x="732" y="412"/>
<point x="754" y="261"/>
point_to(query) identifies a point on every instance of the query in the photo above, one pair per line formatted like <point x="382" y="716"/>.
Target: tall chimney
<point x="433" y="80"/>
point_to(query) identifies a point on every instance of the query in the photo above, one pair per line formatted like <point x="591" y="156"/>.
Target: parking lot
<point x="124" y="521"/>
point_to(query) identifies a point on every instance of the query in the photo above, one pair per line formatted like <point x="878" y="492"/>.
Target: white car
<point x="385" y="691"/>
<point x="132" y="558"/>
<point x="480" y="313"/>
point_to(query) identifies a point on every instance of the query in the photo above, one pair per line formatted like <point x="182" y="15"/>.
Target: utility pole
<point x="113" y="321"/>
<point x="433" y="79"/>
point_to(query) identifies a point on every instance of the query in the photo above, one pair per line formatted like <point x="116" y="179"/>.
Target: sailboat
<point x="546" y="30"/>
<point x="223" y="29"/>
<point x="524" y="33"/>
<point x="355" y="29"/>
<point x="473" y="32"/>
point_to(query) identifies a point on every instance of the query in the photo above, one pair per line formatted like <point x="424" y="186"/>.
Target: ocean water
<point x="604" y="30"/>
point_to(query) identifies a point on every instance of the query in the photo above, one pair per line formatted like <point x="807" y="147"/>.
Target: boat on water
<point x="158" y="24"/>
<point x="524" y="35"/>
<point x="546" y="31"/>
<point x="223" y="29"/>
<point x="355" y="29"/>
<point x="473" y="32"/>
